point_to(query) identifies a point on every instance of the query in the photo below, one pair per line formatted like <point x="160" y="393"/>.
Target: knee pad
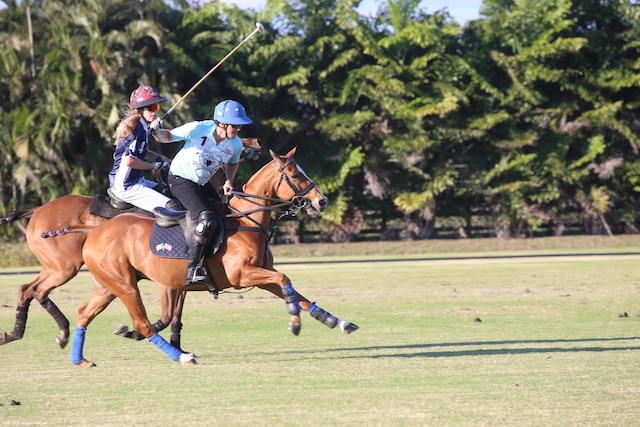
<point x="205" y="227"/>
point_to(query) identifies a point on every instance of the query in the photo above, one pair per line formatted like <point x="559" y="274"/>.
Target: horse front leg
<point x="290" y="297"/>
<point x="95" y="305"/>
<point x="63" y="323"/>
<point x="278" y="284"/>
<point x="330" y="320"/>
<point x="314" y="310"/>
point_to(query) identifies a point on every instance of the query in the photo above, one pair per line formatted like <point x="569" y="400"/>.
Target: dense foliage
<point x="527" y="118"/>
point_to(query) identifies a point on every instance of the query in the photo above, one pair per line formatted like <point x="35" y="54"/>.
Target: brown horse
<point x="117" y="259"/>
<point x="61" y="260"/>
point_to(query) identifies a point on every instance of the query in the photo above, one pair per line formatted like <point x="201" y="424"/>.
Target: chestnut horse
<point x="117" y="257"/>
<point x="61" y="260"/>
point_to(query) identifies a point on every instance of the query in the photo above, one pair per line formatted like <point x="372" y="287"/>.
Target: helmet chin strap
<point x="226" y="135"/>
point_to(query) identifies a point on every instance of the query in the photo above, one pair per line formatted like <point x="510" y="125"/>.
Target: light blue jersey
<point x="201" y="157"/>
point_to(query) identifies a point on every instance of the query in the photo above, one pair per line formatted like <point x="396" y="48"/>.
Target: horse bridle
<point x="289" y="208"/>
<point x="298" y="201"/>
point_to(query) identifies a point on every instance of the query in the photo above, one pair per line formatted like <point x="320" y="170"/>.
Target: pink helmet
<point x="144" y="96"/>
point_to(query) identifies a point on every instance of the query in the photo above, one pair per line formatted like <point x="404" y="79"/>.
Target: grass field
<point x="460" y="342"/>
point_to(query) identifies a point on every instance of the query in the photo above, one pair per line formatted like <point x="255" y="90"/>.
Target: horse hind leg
<point x="18" y="327"/>
<point x="133" y="302"/>
<point x="40" y="291"/>
<point x="171" y="305"/>
<point x="25" y="296"/>
<point x="168" y="302"/>
<point x="124" y="331"/>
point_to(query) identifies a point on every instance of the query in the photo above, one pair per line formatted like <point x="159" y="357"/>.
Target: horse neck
<point x="264" y="184"/>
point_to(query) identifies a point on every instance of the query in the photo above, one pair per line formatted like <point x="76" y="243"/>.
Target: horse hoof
<point x="86" y="364"/>
<point x="121" y="330"/>
<point x="295" y="327"/>
<point x="62" y="340"/>
<point x="5" y="338"/>
<point x="188" y="359"/>
<point x="348" y="327"/>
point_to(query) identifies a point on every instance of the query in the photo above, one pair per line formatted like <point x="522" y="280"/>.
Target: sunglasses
<point x="153" y="107"/>
<point x="236" y="127"/>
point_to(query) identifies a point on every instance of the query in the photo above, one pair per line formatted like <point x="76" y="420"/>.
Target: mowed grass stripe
<point x="496" y="342"/>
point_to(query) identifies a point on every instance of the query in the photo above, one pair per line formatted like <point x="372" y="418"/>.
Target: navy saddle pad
<point x="168" y="242"/>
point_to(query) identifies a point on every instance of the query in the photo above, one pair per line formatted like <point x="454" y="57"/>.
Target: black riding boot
<point x="202" y="234"/>
<point x="195" y="272"/>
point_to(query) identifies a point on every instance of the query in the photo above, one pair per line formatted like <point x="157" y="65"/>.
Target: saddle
<point x="110" y="207"/>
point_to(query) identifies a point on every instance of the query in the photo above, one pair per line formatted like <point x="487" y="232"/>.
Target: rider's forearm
<point x="230" y="172"/>
<point x="163" y="136"/>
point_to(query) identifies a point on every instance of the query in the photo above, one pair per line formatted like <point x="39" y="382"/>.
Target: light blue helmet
<point x="231" y="112"/>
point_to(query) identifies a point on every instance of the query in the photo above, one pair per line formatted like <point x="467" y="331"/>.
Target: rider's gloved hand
<point x="160" y="165"/>
<point x="155" y="126"/>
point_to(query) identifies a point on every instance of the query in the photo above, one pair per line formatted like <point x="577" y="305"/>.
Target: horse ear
<point x="292" y="152"/>
<point x="274" y="156"/>
<point x="278" y="158"/>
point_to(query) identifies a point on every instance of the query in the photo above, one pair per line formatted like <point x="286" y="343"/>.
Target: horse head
<point x="295" y="185"/>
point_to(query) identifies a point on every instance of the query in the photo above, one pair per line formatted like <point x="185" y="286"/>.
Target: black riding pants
<point x="194" y="197"/>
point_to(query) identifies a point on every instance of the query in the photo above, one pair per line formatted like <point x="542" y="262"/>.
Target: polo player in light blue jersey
<point x="209" y="145"/>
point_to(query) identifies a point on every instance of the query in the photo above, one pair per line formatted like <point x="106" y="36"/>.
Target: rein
<point x="288" y="208"/>
<point x="293" y="207"/>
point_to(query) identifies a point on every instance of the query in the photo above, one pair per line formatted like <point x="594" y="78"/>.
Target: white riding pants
<point x="142" y="195"/>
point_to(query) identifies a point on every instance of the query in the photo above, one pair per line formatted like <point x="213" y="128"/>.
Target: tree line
<point x="525" y="120"/>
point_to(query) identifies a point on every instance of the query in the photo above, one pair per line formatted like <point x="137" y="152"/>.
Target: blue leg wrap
<point x="172" y="352"/>
<point x="78" y="344"/>
<point x="323" y="316"/>
<point x="291" y="299"/>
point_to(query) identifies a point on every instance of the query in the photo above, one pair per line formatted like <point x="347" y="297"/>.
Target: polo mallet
<point x="259" y="29"/>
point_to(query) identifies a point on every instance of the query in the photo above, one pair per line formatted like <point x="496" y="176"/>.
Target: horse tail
<point x="85" y="229"/>
<point x="16" y="215"/>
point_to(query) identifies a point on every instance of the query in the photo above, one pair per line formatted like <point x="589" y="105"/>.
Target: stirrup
<point x="196" y="275"/>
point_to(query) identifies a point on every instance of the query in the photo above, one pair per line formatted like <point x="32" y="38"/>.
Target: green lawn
<point x="462" y="342"/>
